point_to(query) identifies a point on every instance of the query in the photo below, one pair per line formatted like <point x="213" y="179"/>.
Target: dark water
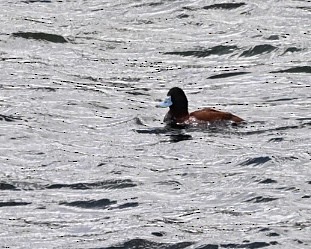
<point x="85" y="159"/>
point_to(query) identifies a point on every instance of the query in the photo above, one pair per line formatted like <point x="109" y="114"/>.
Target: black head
<point x="177" y="102"/>
<point x="179" y="99"/>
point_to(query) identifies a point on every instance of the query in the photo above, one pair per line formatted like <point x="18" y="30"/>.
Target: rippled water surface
<point x="85" y="159"/>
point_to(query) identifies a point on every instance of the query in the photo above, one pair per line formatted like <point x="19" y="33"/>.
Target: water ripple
<point x="102" y="203"/>
<point x="300" y="69"/>
<point x="226" y="6"/>
<point x="41" y="36"/>
<point x="142" y="243"/>
<point x="256" y="161"/>
<point x="9" y="118"/>
<point x="86" y="160"/>
<point x="108" y="184"/>
<point x="13" y="203"/>
<point x="259" y="49"/>
<point x="217" y="50"/>
<point x="226" y="75"/>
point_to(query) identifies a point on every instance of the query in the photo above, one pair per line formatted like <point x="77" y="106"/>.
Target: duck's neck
<point x="179" y="115"/>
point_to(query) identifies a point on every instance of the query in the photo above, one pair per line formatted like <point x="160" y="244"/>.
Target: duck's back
<point x="212" y="115"/>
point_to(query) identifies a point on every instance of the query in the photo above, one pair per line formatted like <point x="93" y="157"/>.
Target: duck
<point x="178" y="114"/>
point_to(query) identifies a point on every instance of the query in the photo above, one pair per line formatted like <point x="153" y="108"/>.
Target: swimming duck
<point x="178" y="114"/>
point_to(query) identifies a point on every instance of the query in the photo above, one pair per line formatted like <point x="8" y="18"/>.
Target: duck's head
<point x="176" y="100"/>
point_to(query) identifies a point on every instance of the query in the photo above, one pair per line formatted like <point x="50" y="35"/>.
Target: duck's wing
<point x="211" y="115"/>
